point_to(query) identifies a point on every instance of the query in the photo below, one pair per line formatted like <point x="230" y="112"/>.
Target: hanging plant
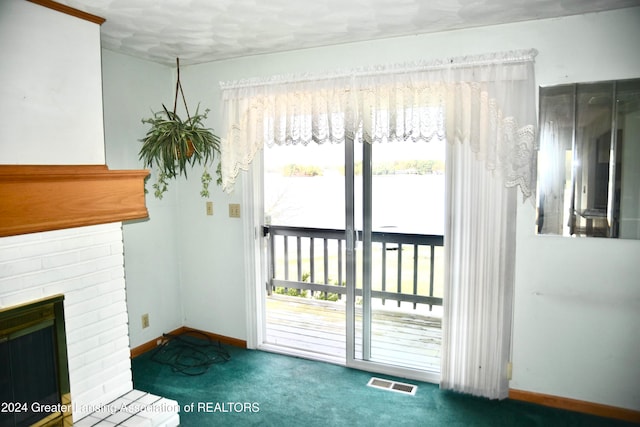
<point x="173" y="145"/>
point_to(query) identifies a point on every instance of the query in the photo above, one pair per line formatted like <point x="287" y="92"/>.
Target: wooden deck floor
<point x="397" y="337"/>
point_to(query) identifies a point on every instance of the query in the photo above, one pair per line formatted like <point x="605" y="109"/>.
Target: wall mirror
<point x="589" y="160"/>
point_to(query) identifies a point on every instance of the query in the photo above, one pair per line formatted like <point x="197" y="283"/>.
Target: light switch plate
<point x="234" y="210"/>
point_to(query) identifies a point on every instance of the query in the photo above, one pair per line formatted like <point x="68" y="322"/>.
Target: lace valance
<point x="487" y="101"/>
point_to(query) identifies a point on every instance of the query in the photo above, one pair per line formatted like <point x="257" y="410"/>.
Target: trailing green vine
<point x="173" y="145"/>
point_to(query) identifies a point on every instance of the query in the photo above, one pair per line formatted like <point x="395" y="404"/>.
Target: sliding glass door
<point x="355" y="248"/>
<point x="395" y="289"/>
<point x="304" y="207"/>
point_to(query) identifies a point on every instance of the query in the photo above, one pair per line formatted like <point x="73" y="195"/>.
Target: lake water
<point x="403" y="203"/>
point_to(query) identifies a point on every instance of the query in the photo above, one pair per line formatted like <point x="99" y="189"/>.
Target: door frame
<point x="256" y="269"/>
<point x="367" y="228"/>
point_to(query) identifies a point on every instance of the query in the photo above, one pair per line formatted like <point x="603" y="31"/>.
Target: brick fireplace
<point x="86" y="265"/>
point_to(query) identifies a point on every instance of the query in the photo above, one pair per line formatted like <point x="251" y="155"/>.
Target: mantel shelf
<point x="45" y="198"/>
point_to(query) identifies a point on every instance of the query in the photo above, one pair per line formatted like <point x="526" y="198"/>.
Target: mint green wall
<point x="577" y="306"/>
<point x="132" y="88"/>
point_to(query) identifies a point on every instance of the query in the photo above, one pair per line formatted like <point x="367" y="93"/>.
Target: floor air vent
<point x="392" y="386"/>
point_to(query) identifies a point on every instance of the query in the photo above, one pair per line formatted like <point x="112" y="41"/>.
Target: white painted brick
<point x="172" y="421"/>
<point x="80" y="320"/>
<point x="88" y="421"/>
<point x="21" y="266"/>
<point x="21" y="297"/>
<point x="100" y="375"/>
<point x="22" y="239"/>
<point x="86" y="265"/>
<point x="11" y="285"/>
<point x="103" y="276"/>
<point x="40" y="248"/>
<point x="118" y="385"/>
<point x="149" y="399"/>
<point x="106" y="390"/>
<point x="117" y="274"/>
<point x="79" y="355"/>
<point x="118" y="418"/>
<point x="96" y="328"/>
<point x="100" y="347"/>
<point x="94" y="367"/>
<point x="87" y="401"/>
<point x="46" y="277"/>
<point x="84" y="371"/>
<point x="116" y="374"/>
<point x="67" y="286"/>
<point x="111" y="284"/>
<point x="25" y="246"/>
<point x="60" y="259"/>
<point x="137" y="421"/>
<point x="104" y="350"/>
<point x="83" y="347"/>
<point x="103" y="393"/>
<point x="117" y="333"/>
<point x="135" y="395"/>
<point x="117" y="247"/>
<point x="78" y="305"/>
<point x="113" y="309"/>
<point x="77" y="295"/>
<point x="76" y="256"/>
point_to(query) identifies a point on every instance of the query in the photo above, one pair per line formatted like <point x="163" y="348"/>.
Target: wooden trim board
<point x="52" y="197"/>
<point x="70" y="11"/>
<point x="576" y="405"/>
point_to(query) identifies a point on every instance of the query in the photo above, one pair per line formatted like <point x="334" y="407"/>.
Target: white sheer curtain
<point x="479" y="277"/>
<point x="490" y="152"/>
<point x="485" y="107"/>
<point x="483" y="97"/>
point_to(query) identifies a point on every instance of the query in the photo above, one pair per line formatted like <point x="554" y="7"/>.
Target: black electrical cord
<point x="190" y="353"/>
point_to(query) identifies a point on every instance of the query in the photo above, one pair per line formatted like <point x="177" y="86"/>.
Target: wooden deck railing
<point x="313" y="260"/>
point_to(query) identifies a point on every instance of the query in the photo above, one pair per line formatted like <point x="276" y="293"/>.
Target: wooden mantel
<point x="45" y="198"/>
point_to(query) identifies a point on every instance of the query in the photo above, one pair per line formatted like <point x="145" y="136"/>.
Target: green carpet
<point x="256" y="388"/>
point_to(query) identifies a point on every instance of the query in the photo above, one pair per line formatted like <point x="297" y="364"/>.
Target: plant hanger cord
<point x="174" y="144"/>
<point x="179" y="88"/>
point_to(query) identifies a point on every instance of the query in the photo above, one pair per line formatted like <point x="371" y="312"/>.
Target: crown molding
<point x="70" y="11"/>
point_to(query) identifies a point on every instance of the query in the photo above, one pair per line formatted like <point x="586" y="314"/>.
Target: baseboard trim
<point x="576" y="405"/>
<point x="223" y="339"/>
<point x="150" y="345"/>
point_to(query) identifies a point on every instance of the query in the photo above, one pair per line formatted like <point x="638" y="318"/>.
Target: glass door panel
<point x="399" y="271"/>
<point x="356" y="253"/>
<point x="305" y="212"/>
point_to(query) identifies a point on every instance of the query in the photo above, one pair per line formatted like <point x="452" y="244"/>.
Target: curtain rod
<point x="469" y="61"/>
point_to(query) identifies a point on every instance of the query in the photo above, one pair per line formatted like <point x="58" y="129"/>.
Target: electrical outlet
<point x="234" y="210"/>
<point x="145" y="320"/>
<point x="209" y="208"/>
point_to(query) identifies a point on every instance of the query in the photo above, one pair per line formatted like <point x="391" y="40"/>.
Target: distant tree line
<point x="404" y="167"/>
<point x="301" y="170"/>
<point x="398" y="167"/>
<point x="415" y="167"/>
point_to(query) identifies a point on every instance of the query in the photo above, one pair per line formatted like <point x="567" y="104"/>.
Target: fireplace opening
<point x="34" y="375"/>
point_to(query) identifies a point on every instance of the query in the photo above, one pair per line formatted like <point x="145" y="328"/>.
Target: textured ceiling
<point x="207" y="30"/>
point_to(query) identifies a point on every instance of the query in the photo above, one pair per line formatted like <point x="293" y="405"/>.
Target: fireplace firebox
<point x="34" y="374"/>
